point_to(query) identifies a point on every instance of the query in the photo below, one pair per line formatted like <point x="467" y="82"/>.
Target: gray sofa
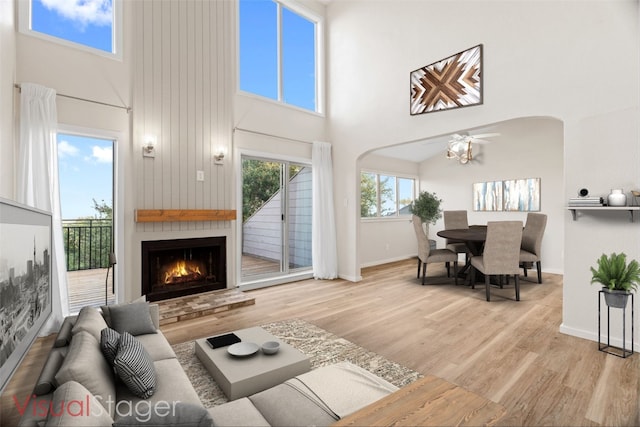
<point x="83" y="384"/>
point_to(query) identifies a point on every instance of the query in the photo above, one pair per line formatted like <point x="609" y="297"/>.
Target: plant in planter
<point x="617" y="277"/>
<point x="427" y="207"/>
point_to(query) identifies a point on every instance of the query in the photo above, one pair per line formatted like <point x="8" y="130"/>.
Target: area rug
<point x="322" y="347"/>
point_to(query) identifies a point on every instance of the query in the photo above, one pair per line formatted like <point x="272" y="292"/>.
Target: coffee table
<point x="243" y="376"/>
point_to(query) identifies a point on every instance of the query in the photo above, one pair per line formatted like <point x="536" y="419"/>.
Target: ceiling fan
<point x="459" y="147"/>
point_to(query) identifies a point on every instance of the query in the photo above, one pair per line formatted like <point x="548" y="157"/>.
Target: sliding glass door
<point x="276" y="218"/>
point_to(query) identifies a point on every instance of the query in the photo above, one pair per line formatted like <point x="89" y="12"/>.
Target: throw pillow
<point x="79" y="407"/>
<point x="106" y="309"/>
<point x="176" y="414"/>
<point x="109" y="342"/>
<point x="133" y="318"/>
<point x="84" y="363"/>
<point x="90" y="320"/>
<point x="135" y="367"/>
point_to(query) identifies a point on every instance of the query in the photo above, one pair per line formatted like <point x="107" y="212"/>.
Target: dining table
<point x="474" y="238"/>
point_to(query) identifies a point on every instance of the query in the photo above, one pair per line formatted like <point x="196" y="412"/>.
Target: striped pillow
<point x="109" y="342"/>
<point x="135" y="367"/>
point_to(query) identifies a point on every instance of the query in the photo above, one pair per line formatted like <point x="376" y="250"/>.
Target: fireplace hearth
<point x="178" y="267"/>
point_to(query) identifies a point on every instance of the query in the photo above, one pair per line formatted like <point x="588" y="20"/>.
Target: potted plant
<point x="427" y="207"/>
<point x="617" y="277"/>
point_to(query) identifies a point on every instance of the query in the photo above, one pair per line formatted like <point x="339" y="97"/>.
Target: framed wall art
<point x="521" y="195"/>
<point x="452" y="82"/>
<point x="25" y="281"/>
<point x="487" y="196"/>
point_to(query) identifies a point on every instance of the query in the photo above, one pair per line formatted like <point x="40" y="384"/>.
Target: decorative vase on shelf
<point x="617" y="198"/>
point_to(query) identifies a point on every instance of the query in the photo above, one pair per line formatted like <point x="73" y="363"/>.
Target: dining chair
<point x="501" y="254"/>
<point x="456" y="220"/>
<point x="427" y="255"/>
<point x="532" y="242"/>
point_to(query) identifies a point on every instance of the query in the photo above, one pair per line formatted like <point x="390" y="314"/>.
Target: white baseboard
<point x="593" y="336"/>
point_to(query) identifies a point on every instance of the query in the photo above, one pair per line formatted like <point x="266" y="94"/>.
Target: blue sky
<point x="88" y="22"/>
<point x="86" y="172"/>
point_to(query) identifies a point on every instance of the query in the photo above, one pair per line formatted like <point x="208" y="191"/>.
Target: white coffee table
<point x="243" y="376"/>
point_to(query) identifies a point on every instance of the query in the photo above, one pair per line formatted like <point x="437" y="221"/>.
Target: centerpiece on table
<point x="617" y="277"/>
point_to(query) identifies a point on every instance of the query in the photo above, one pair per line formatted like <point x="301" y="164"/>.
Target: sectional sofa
<point x="114" y="367"/>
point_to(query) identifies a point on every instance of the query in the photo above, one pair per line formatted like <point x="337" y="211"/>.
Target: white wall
<point x="539" y="60"/>
<point x="7" y="96"/>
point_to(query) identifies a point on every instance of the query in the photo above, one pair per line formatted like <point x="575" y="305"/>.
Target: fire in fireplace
<point x="172" y="268"/>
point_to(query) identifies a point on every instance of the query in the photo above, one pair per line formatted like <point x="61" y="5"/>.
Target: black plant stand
<point x="608" y="348"/>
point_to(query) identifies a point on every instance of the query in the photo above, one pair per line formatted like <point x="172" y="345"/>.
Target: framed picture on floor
<point x="25" y="281"/>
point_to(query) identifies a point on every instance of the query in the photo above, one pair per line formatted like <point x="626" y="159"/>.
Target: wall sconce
<point x="149" y="147"/>
<point x="218" y="157"/>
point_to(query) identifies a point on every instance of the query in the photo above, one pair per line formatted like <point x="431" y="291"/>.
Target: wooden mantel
<point x="180" y="215"/>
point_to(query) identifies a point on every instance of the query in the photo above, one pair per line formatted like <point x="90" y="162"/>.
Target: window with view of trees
<point x="279" y="53"/>
<point x="383" y="195"/>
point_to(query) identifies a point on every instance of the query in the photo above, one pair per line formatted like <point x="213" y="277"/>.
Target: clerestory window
<point x="280" y="52"/>
<point x="92" y="25"/>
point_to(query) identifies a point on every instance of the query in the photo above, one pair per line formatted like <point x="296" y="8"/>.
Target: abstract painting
<point x="452" y="82"/>
<point x="522" y="195"/>
<point x="25" y="281"/>
<point x="487" y="196"/>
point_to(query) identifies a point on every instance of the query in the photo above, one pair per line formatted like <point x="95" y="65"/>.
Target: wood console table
<point x="429" y="401"/>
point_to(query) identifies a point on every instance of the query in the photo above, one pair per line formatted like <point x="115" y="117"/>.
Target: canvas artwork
<point x="452" y="82"/>
<point x="25" y="281"/>
<point x="522" y="195"/>
<point x="487" y="196"/>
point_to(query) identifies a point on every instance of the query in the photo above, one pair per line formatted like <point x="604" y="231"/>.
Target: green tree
<point x="104" y="210"/>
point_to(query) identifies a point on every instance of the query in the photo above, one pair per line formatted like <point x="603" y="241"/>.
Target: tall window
<point x="383" y="195"/>
<point x="93" y="25"/>
<point x="279" y="53"/>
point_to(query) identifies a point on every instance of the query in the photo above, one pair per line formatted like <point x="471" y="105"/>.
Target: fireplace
<point x="173" y="268"/>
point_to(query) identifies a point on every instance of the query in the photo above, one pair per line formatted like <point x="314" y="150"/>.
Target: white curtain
<point x="38" y="184"/>
<point x="324" y="250"/>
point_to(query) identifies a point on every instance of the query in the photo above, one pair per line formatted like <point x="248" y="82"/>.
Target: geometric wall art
<point x="521" y="195"/>
<point x="452" y="82"/>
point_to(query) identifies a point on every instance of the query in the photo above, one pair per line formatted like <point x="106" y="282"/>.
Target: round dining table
<point x="474" y="237"/>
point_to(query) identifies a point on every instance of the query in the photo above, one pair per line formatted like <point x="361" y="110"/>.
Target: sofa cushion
<point x="165" y="414"/>
<point x="240" y="413"/>
<point x="157" y="346"/>
<point x="135" y="367"/>
<point x="89" y="320"/>
<point x="47" y="380"/>
<point x="283" y="405"/>
<point x="64" y="334"/>
<point x="84" y="363"/>
<point x="79" y="407"/>
<point x="109" y="343"/>
<point x="133" y="318"/>
<point x="173" y="385"/>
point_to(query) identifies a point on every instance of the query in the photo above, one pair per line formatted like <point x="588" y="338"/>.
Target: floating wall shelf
<point x="629" y="209"/>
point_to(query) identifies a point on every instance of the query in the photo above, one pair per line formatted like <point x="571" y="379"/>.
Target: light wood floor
<point x="506" y="351"/>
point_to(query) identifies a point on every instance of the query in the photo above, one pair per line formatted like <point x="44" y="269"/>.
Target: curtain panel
<point x="323" y="240"/>
<point x="38" y="183"/>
